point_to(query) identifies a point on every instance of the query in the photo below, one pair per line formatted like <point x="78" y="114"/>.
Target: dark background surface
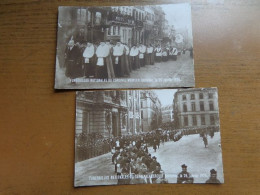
<point x="37" y="123"/>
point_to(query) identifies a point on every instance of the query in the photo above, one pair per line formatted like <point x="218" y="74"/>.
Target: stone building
<point x="151" y="115"/>
<point x="121" y="24"/>
<point x="167" y="113"/>
<point x="103" y="112"/>
<point x="196" y="108"/>
<point x="134" y="111"/>
<point x="149" y="27"/>
<point x="159" y="23"/>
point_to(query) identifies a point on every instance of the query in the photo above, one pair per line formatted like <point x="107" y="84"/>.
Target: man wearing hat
<point x="213" y="177"/>
<point x="184" y="176"/>
<point x="72" y="60"/>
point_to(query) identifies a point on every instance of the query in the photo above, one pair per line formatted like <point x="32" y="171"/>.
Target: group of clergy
<point x="108" y="61"/>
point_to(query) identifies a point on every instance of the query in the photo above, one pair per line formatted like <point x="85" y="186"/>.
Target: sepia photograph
<point x="147" y="137"/>
<point x="116" y="47"/>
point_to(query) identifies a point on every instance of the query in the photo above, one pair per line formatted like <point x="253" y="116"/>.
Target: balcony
<point x="122" y="19"/>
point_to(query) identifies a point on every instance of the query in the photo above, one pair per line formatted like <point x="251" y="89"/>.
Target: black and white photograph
<point x="147" y="137"/>
<point x="122" y="47"/>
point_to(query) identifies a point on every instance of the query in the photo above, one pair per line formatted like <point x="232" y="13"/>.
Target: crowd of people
<point x="107" y="60"/>
<point x="133" y="162"/>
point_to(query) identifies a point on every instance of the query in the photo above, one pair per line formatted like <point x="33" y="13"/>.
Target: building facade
<point x="128" y="24"/>
<point x="196" y="108"/>
<point x="102" y="112"/>
<point x="134" y="111"/>
<point x="167" y="114"/>
<point x="151" y="115"/>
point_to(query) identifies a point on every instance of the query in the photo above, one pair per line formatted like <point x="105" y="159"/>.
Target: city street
<point x="178" y="73"/>
<point x="181" y="69"/>
<point x="188" y="150"/>
<point x="85" y="171"/>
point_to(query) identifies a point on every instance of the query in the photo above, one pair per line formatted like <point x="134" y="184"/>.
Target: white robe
<point x="88" y="53"/>
<point x="102" y="52"/>
<point x="134" y="51"/>
<point x="118" y="50"/>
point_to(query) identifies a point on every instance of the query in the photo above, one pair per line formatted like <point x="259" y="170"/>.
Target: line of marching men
<point x="108" y="61"/>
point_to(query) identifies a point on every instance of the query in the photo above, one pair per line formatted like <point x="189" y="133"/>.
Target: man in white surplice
<point x="89" y="60"/>
<point x="119" y="59"/>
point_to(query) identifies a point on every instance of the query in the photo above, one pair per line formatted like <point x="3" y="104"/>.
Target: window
<point x="81" y="16"/>
<point x="203" y="120"/>
<point x="98" y="18"/>
<point x="79" y="118"/>
<point x="184" y="108"/>
<point x="89" y="16"/>
<point x="136" y="105"/>
<point x="211" y="106"/>
<point x="85" y="122"/>
<point x="194" y="120"/>
<point x="186" y="121"/>
<point x="192" y="97"/>
<point x="114" y="30"/>
<point x="201" y="95"/>
<point x="183" y="97"/>
<point x="193" y="108"/>
<point x="142" y="114"/>
<point x="212" y="120"/>
<point x="210" y="95"/>
<point x="202" y="106"/>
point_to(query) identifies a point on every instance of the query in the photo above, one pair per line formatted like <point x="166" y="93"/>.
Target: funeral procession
<point x="147" y="137"/>
<point x="125" y="45"/>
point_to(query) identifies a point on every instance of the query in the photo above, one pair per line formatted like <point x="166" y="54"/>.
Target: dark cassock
<point x="158" y="54"/>
<point x="111" y="71"/>
<point x="89" y="60"/>
<point x="173" y="53"/>
<point x="134" y="58"/>
<point x="102" y="65"/>
<point x="142" y="50"/>
<point x="150" y="55"/>
<point x="73" y="58"/>
<point x="127" y="66"/>
<point x="119" y="59"/>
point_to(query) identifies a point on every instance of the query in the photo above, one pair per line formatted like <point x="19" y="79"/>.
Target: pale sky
<point x="178" y="15"/>
<point x="165" y="96"/>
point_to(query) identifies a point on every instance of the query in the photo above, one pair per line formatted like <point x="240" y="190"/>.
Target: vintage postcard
<point x="147" y="137"/>
<point x="124" y="47"/>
